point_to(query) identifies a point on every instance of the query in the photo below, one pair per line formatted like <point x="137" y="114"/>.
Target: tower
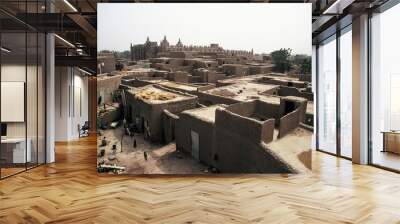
<point x="164" y="44"/>
<point x="147" y="40"/>
<point x="179" y="44"/>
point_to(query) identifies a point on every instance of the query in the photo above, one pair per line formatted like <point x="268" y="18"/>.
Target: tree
<point x="281" y="59"/>
<point x="305" y="66"/>
<point x="303" y="62"/>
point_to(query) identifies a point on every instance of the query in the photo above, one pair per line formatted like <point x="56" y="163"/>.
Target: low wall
<point x="267" y="131"/>
<point x="235" y="70"/>
<point x="209" y="99"/>
<point x="245" y="127"/>
<point x="246" y="109"/>
<point x="254" y="70"/>
<point x="239" y="146"/>
<point x="267" y="110"/>
<point x="178" y="77"/>
<point x="289" y="122"/>
<point x="194" y="79"/>
<point x="293" y="91"/>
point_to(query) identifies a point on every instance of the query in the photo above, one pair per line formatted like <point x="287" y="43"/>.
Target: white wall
<point x="70" y="83"/>
<point x="10" y="73"/>
<point x="314" y="90"/>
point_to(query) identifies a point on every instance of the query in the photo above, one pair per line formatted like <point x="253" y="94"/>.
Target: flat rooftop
<point x="204" y="113"/>
<point x="282" y="77"/>
<point x="294" y="148"/>
<point x="155" y="95"/>
<point x="181" y="86"/>
<point x="245" y="91"/>
<point x="248" y="78"/>
<point x="139" y="70"/>
<point x="105" y="76"/>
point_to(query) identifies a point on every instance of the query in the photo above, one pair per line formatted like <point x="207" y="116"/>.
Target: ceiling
<point x="76" y="21"/>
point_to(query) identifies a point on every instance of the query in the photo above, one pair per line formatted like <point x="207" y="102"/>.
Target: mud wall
<point x="209" y="99"/>
<point x="235" y="70"/>
<point x="293" y="91"/>
<point x="106" y="86"/>
<point x="152" y="114"/>
<point x="239" y="147"/>
<point x="254" y="70"/>
<point x="178" y="76"/>
<point x="267" y="110"/>
<point x="289" y="122"/>
<point x="204" y="129"/>
<point x="169" y="123"/>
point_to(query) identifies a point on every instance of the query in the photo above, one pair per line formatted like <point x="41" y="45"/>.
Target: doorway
<point x="195" y="144"/>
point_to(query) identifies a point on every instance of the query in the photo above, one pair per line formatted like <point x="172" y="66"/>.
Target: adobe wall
<point x="210" y="99"/>
<point x="293" y="91"/>
<point x="152" y="113"/>
<point x="169" y="123"/>
<point x="245" y="127"/>
<point x="249" y="111"/>
<point x="194" y="79"/>
<point x="204" y="129"/>
<point x="246" y="109"/>
<point x="136" y="82"/>
<point x="178" y="76"/>
<point x="289" y="122"/>
<point x="231" y="60"/>
<point x="239" y="149"/>
<point x="235" y="70"/>
<point x="109" y="63"/>
<point x="206" y="87"/>
<point x="176" y="62"/>
<point x="110" y="116"/>
<point x="175" y="108"/>
<point x="258" y="108"/>
<point x="161" y="66"/>
<point x="267" y="110"/>
<point x="254" y="70"/>
<point x="300" y="104"/>
<point x="106" y="86"/>
<point x="267" y="130"/>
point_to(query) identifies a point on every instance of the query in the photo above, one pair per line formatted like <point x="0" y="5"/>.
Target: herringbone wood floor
<point x="70" y="191"/>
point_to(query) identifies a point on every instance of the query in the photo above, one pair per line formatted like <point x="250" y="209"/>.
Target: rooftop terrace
<point x="204" y="113"/>
<point x="246" y="91"/>
<point x="157" y="95"/>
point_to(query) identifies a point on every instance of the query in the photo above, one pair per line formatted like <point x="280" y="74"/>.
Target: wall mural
<point x="185" y="95"/>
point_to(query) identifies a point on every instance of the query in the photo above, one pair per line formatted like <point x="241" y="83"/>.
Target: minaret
<point x="131" y="52"/>
<point x="179" y="44"/>
<point x="164" y="44"/>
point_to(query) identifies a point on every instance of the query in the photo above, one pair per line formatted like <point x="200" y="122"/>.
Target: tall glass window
<point x="22" y="88"/>
<point x="346" y="93"/>
<point x="327" y="95"/>
<point x="385" y="89"/>
<point x="14" y="153"/>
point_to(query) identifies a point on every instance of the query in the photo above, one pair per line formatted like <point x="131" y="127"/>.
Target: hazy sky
<point x="238" y="26"/>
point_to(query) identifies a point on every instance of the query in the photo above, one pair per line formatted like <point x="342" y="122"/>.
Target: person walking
<point x="145" y="155"/>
